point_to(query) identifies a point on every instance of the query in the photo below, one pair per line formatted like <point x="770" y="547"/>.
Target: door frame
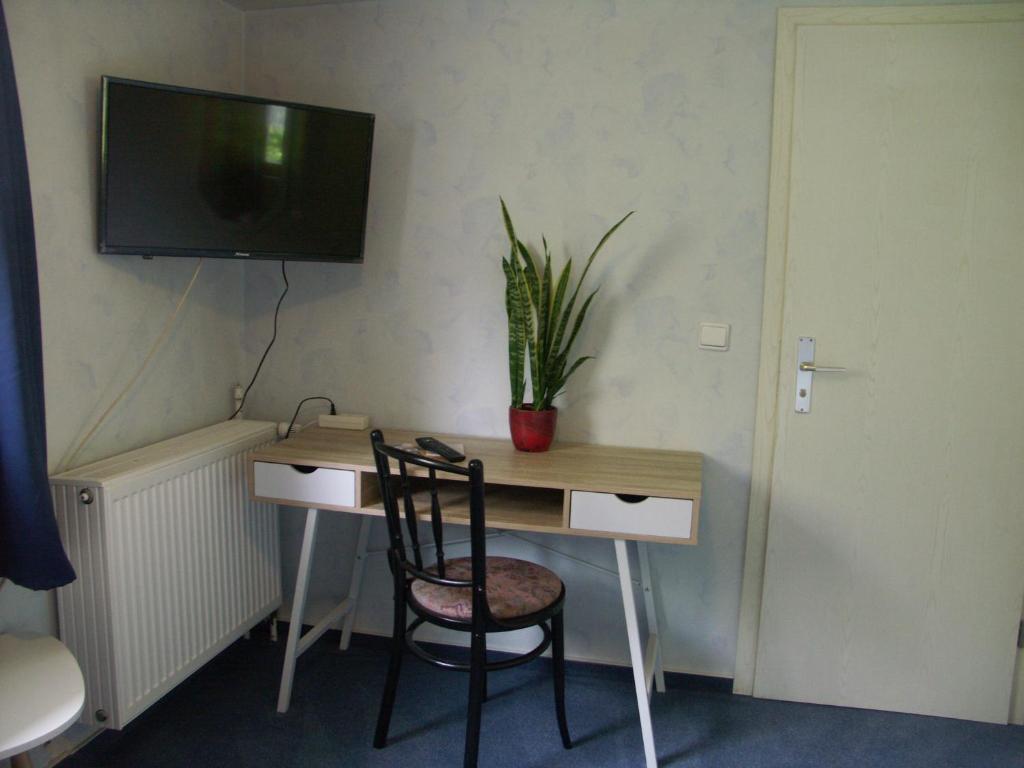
<point x="1017" y="696"/>
<point x="790" y="20"/>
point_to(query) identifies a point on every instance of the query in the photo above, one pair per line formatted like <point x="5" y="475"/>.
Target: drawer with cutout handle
<point x="316" y="486"/>
<point x="641" y="516"/>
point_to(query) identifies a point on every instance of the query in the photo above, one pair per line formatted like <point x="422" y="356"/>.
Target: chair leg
<point x="558" y="657"/>
<point x="387" y="703"/>
<point x="477" y="685"/>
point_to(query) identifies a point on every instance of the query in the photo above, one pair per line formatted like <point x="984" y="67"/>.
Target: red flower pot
<point x="532" y="430"/>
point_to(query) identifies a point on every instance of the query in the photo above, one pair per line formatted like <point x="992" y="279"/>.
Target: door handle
<point x="805" y="370"/>
<point x="821" y="368"/>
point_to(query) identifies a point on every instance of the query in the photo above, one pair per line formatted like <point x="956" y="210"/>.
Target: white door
<point x="894" y="557"/>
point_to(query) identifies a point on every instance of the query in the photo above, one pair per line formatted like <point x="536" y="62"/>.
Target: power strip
<point x="344" y="421"/>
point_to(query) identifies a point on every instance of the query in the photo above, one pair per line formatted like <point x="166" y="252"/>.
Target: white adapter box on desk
<point x="344" y="421"/>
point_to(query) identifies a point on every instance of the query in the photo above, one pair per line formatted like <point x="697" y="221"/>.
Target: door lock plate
<point x="804" y="379"/>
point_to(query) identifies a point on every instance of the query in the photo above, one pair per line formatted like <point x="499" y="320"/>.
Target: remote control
<point x="434" y="445"/>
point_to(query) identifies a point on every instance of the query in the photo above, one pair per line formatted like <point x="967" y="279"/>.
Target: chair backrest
<point x="398" y="551"/>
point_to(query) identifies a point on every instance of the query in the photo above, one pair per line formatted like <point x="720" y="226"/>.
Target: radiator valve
<point x="85" y="495"/>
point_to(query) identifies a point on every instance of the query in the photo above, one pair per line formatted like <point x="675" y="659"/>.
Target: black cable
<point x="334" y="411"/>
<point x="267" y="350"/>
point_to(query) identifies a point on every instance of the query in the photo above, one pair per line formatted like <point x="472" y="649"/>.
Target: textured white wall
<point x="575" y="112"/>
<point x="100" y="314"/>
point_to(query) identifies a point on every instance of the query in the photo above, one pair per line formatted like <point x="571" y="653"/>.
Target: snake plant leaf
<point x="586" y="268"/>
<point x="579" y="319"/>
<point x="556" y="365"/>
<point x="556" y="347"/>
<point x="516" y="336"/>
<point x="518" y="247"/>
<point x="579" y="361"/>
<point x="515" y="341"/>
<point x="508" y="224"/>
<point x="544" y="307"/>
<point x="556" y="309"/>
<point x="563" y="321"/>
<point x="526" y="311"/>
<point x="507" y="268"/>
<point x="530" y="270"/>
<point x="529" y="291"/>
<point x="600" y="245"/>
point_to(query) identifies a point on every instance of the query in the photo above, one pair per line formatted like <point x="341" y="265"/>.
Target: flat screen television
<point x="185" y="172"/>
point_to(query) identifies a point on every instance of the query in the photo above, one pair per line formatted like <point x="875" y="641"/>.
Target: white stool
<point x="41" y="693"/>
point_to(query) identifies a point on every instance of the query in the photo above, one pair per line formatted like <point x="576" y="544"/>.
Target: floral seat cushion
<point x="515" y="588"/>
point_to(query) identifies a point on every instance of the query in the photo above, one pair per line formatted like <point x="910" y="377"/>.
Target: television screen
<point x="194" y="173"/>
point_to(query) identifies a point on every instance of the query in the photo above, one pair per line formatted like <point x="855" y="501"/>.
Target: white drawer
<point x="634" y="516"/>
<point x="316" y="486"/>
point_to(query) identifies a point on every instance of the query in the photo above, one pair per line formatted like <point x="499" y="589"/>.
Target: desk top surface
<point x="576" y="466"/>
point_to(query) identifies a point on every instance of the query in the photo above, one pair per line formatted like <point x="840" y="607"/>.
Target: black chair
<point x="476" y="594"/>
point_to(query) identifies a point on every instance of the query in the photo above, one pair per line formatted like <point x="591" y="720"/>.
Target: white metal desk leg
<point x="358" y="566"/>
<point x="291" y="651"/>
<point x="636" y="653"/>
<point x="647" y="583"/>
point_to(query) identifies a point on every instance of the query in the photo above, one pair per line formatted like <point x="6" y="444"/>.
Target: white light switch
<point x="714" y="336"/>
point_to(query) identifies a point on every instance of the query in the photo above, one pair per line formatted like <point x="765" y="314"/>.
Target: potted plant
<point x="541" y="330"/>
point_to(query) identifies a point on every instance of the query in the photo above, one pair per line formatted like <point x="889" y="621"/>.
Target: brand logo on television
<point x="241" y="254"/>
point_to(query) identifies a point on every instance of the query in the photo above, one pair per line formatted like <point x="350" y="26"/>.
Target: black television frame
<point x="149" y="251"/>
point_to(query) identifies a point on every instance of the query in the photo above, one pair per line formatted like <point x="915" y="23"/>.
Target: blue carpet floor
<point x="225" y="716"/>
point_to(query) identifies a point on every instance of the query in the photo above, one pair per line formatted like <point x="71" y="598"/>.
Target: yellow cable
<point x="157" y="344"/>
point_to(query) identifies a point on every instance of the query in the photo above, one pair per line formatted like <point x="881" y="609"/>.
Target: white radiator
<point x="174" y="563"/>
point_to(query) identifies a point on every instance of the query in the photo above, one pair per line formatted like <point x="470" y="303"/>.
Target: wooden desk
<point x="575" y="489"/>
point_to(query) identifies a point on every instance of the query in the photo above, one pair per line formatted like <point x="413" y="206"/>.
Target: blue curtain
<point x="30" y="550"/>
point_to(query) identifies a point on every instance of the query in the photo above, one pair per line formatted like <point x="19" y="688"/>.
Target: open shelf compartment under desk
<point x="510" y="507"/>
